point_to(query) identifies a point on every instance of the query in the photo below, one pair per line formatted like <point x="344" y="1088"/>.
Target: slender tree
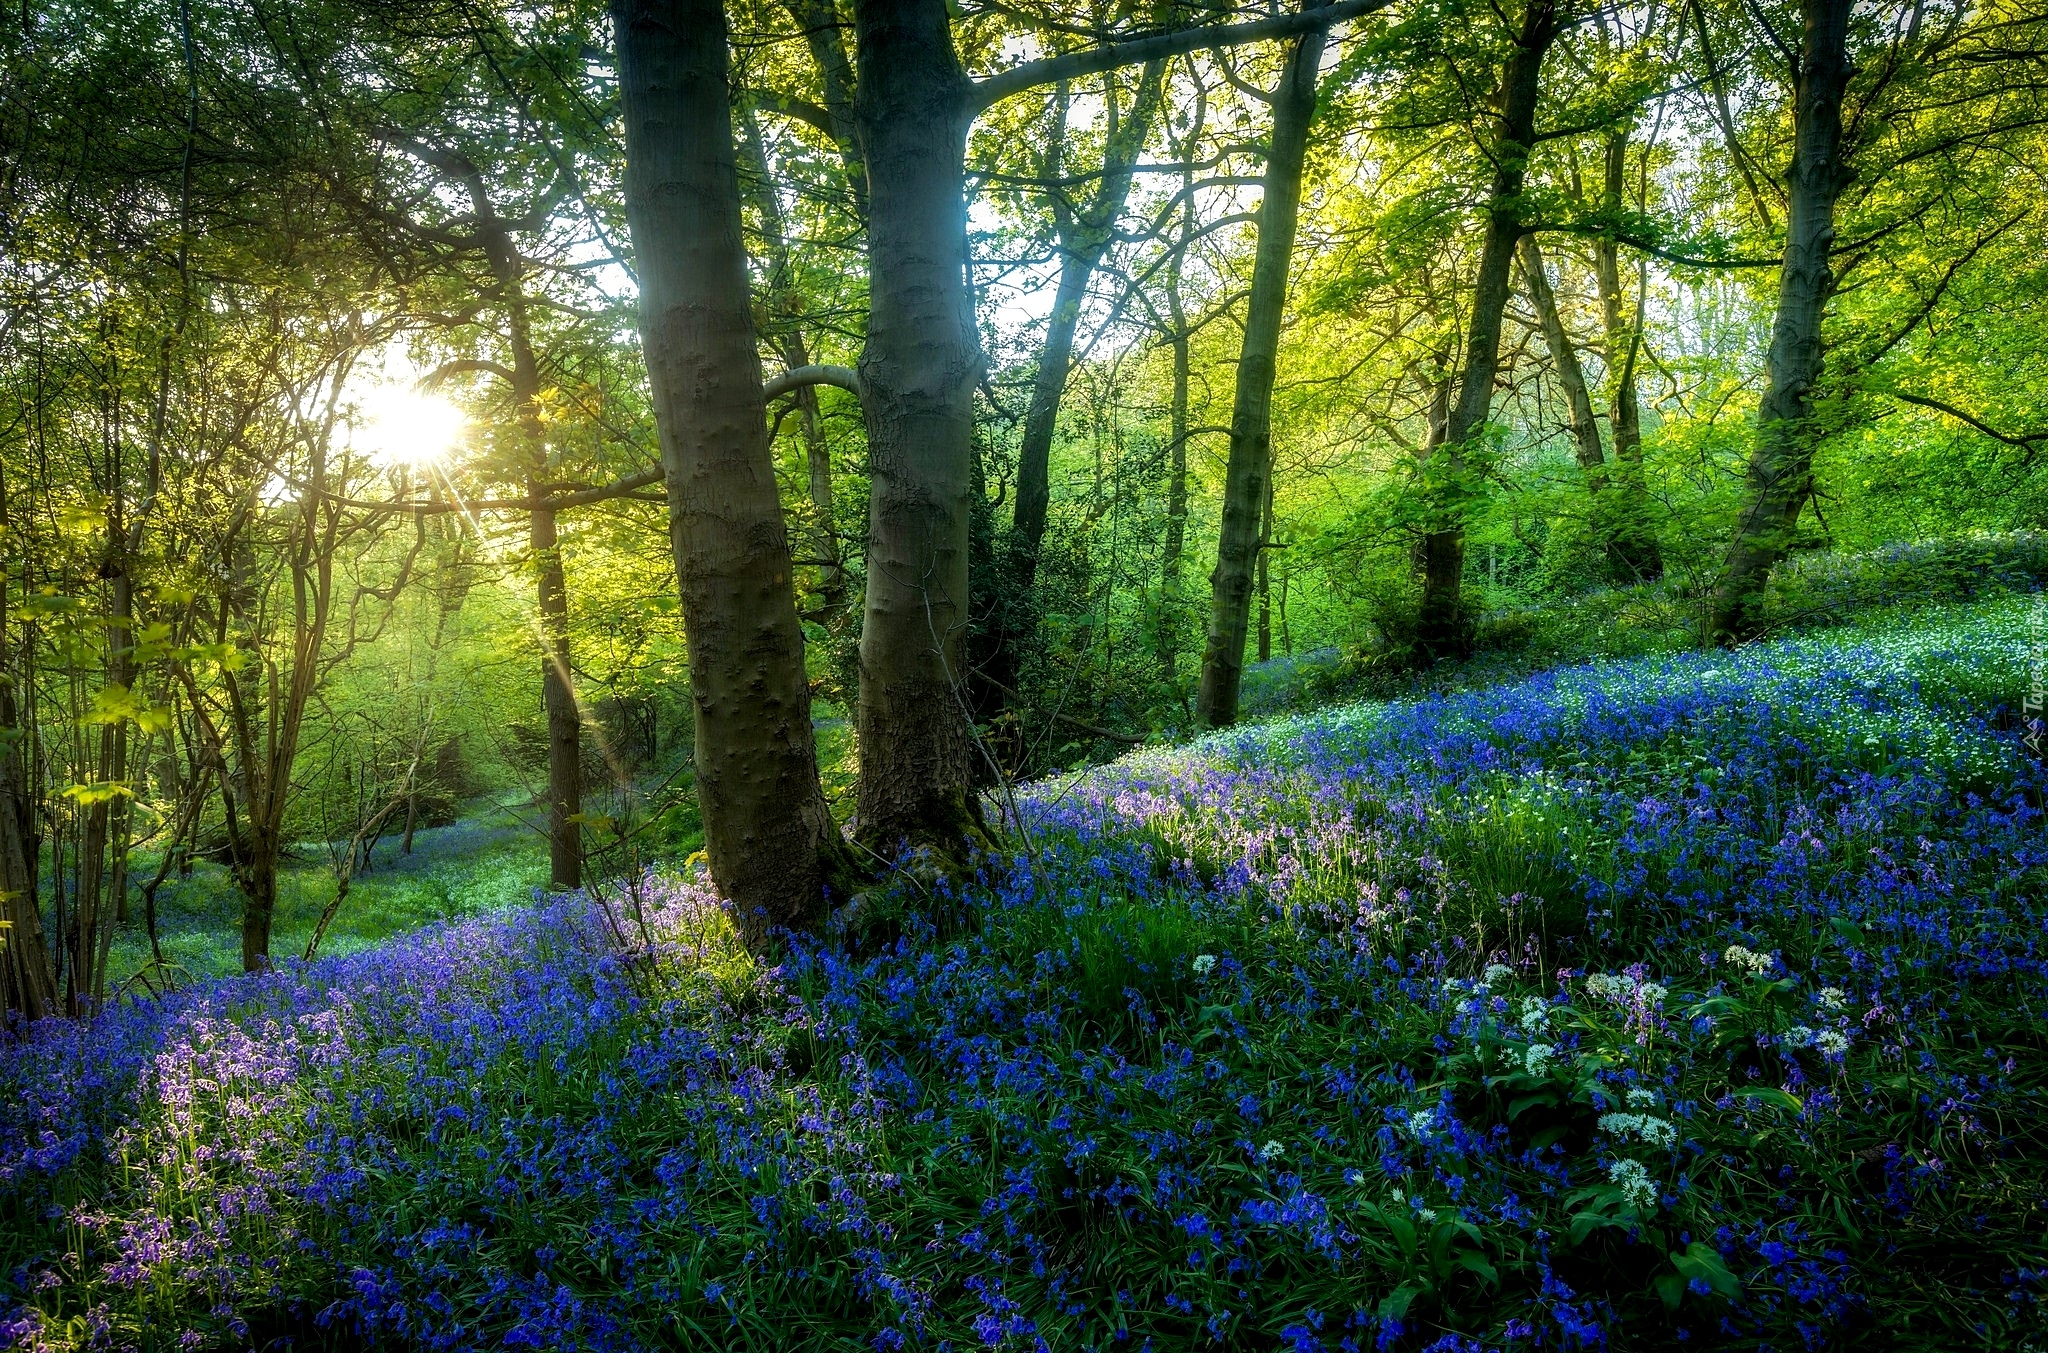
<point x="1247" y="478"/>
<point x="1442" y="624"/>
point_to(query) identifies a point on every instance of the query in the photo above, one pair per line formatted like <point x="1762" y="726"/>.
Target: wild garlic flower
<point x="1798" y="1036"/>
<point x="1748" y="959"/>
<point x="1638" y="1190"/>
<point x="1642" y="1097"/>
<point x="1422" y="1124"/>
<point x="1204" y="964"/>
<point x="1537" y="1058"/>
<point x="1272" y="1151"/>
<point x="1831" y="1043"/>
<point x="1832" y="998"/>
<point x="1495" y="972"/>
<point x="1640" y="1126"/>
<point x="1535" y="1014"/>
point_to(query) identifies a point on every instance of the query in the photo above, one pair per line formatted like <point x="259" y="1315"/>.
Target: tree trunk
<point x="1083" y="240"/>
<point x="1781" y="464"/>
<point x="1443" y="627"/>
<point x="1564" y="358"/>
<point x="1266" y="577"/>
<point x="258" y="882"/>
<point x="28" y="985"/>
<point x="1180" y="339"/>
<point x="1633" y="553"/>
<point x="768" y="833"/>
<point x="918" y="370"/>
<point x="819" y="20"/>
<point x="1251" y="418"/>
<point x="783" y="299"/>
<point x="558" y="700"/>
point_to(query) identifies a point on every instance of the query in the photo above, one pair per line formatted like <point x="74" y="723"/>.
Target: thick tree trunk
<point x="918" y="374"/>
<point x="1251" y="418"/>
<point x="1633" y="552"/>
<point x="1781" y="464"/>
<point x="768" y="833"/>
<point x="1443" y="627"/>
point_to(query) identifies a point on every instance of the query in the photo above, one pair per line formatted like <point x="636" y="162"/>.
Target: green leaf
<point x="1701" y="1260"/>
<point x="1394" y="1305"/>
<point x="1777" y="1099"/>
<point x="1847" y="929"/>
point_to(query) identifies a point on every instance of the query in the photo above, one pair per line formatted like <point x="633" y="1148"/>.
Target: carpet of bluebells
<point x="1693" y="1001"/>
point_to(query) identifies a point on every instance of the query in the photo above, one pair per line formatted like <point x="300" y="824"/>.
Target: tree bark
<point x="1780" y="475"/>
<point x="1443" y="627"/>
<point x="768" y="832"/>
<point x="919" y="369"/>
<point x="1251" y="419"/>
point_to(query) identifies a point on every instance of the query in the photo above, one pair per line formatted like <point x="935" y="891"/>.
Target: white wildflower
<point x="1606" y="985"/>
<point x="1740" y="957"/>
<point x="1537" y="1059"/>
<point x="1798" y="1036"/>
<point x="1425" y="1215"/>
<point x="1641" y="1126"/>
<point x="1354" y="1177"/>
<point x="1204" y="964"/>
<point x="1638" y="1190"/>
<point x="1454" y="984"/>
<point x="1535" y="1014"/>
<point x="1421" y="1124"/>
<point x="1642" y="1097"/>
<point x="1495" y="972"/>
<point x="1651" y="994"/>
<point x="1272" y="1151"/>
<point x="1832" y="998"/>
<point x="1831" y="1043"/>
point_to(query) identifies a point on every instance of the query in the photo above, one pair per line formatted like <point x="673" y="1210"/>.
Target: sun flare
<point x="405" y="427"/>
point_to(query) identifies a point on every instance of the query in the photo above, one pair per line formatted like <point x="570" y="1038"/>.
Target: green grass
<point x="482" y="863"/>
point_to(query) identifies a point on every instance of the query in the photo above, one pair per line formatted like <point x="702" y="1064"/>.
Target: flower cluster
<point x="1189" y="1074"/>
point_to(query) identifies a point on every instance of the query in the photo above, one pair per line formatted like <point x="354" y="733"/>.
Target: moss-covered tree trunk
<point x="1780" y="475"/>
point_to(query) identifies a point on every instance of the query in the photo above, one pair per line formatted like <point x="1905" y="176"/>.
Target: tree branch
<point x="846" y="378"/>
<point x="2025" y="441"/>
<point x="1137" y="51"/>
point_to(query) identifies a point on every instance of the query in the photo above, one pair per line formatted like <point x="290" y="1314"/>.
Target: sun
<point x="406" y="427"/>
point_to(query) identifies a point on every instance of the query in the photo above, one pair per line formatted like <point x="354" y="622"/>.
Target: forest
<point x="1023" y="674"/>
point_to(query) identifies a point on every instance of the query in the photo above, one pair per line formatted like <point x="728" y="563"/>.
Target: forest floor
<point x="1690" y="998"/>
<point x="488" y="860"/>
